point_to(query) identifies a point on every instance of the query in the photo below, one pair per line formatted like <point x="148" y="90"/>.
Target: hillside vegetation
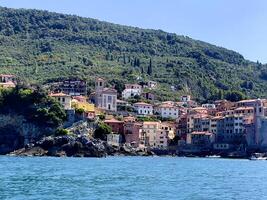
<point x="41" y="46"/>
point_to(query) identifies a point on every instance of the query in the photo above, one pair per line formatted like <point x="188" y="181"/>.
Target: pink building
<point x="132" y="131"/>
<point x="116" y="125"/>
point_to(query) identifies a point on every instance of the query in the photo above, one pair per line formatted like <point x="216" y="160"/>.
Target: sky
<point x="239" y="25"/>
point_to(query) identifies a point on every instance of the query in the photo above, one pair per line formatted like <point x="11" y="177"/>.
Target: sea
<point x="126" y="178"/>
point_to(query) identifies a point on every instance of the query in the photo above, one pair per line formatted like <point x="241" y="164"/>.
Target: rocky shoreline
<point x="77" y="146"/>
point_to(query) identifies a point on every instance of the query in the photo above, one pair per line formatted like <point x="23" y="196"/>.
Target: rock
<point x="46" y="143"/>
<point x="35" y="151"/>
<point x="78" y="146"/>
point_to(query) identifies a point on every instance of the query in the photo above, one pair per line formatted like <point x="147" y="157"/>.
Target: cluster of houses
<point x="220" y="126"/>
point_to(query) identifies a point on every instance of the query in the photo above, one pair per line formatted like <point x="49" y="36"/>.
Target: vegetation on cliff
<point x="36" y="106"/>
<point x="41" y="46"/>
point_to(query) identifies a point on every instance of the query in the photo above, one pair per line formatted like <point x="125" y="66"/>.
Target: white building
<point x="64" y="99"/>
<point x="152" y="84"/>
<point x="209" y="106"/>
<point x="167" y="111"/>
<point x="105" y="98"/>
<point x="131" y="90"/>
<point x="143" y="108"/>
<point x="114" y="139"/>
<point x="185" y="98"/>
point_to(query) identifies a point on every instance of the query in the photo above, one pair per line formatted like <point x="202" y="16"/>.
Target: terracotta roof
<point x="7" y="75"/>
<point x="99" y="79"/>
<point x="142" y="104"/>
<point x="248" y="100"/>
<point x="8" y="83"/>
<point x="130" y="118"/>
<point x="167" y="106"/>
<point x="133" y="85"/>
<point x="153" y="123"/>
<point x="245" y="108"/>
<point x="201" y="133"/>
<point x="113" y="121"/>
<point x="61" y="94"/>
<point x="109" y="90"/>
<point x="199" y="108"/>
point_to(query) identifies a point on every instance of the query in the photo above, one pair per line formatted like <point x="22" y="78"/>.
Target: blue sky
<point x="240" y="25"/>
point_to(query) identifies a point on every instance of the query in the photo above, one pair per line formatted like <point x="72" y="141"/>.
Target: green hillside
<point x="41" y="46"/>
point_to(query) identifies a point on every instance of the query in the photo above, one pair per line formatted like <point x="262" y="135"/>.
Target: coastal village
<point x="185" y="127"/>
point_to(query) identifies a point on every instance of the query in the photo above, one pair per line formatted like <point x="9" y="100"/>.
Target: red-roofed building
<point x="116" y="125"/>
<point x="63" y="98"/>
<point x="7" y="81"/>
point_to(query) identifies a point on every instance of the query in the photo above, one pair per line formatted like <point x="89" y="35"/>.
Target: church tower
<point x="99" y="87"/>
<point x="258" y="116"/>
<point x="99" y="84"/>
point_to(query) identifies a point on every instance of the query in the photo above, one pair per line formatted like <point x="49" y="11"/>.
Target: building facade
<point x="143" y="108"/>
<point x="64" y="99"/>
<point x="105" y="98"/>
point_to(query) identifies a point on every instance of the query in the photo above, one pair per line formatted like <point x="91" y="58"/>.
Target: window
<point x="109" y="99"/>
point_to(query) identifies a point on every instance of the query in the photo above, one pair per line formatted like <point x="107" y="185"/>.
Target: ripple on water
<point x="139" y="178"/>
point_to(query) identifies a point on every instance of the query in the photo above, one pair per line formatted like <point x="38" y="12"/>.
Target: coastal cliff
<point x="77" y="146"/>
<point x="16" y="131"/>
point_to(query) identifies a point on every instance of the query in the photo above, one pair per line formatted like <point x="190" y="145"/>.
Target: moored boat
<point x="258" y="156"/>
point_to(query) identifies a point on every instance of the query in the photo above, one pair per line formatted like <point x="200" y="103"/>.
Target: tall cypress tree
<point x="149" y="69"/>
<point x="138" y="62"/>
<point x="124" y="59"/>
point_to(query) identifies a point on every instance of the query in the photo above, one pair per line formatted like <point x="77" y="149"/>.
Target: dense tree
<point x="34" y="105"/>
<point x="102" y="131"/>
<point x="234" y="96"/>
<point x="149" y="69"/>
<point x="40" y="46"/>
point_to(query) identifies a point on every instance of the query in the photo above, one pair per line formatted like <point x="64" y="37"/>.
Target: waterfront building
<point x="150" y="130"/>
<point x="230" y="130"/>
<point x="116" y="125"/>
<point x="114" y="139"/>
<point x="165" y="133"/>
<point x="133" y="132"/>
<point x="202" y="139"/>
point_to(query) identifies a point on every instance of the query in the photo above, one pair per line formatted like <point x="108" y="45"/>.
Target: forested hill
<point x="41" y="46"/>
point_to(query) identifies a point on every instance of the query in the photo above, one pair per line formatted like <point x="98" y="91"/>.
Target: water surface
<point x="121" y="178"/>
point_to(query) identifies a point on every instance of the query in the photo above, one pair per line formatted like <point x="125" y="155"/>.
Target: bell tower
<point x="99" y="84"/>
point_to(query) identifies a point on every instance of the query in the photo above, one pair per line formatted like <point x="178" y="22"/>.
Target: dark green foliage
<point x="35" y="106"/>
<point x="149" y="69"/>
<point x="234" y="96"/>
<point x="102" y="131"/>
<point x="79" y="111"/>
<point x="61" y="132"/>
<point x="39" y="46"/>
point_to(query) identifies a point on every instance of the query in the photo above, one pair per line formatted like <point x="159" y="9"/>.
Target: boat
<point x="258" y="156"/>
<point x="213" y="156"/>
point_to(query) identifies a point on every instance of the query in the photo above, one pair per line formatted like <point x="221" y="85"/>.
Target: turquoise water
<point x="122" y="178"/>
